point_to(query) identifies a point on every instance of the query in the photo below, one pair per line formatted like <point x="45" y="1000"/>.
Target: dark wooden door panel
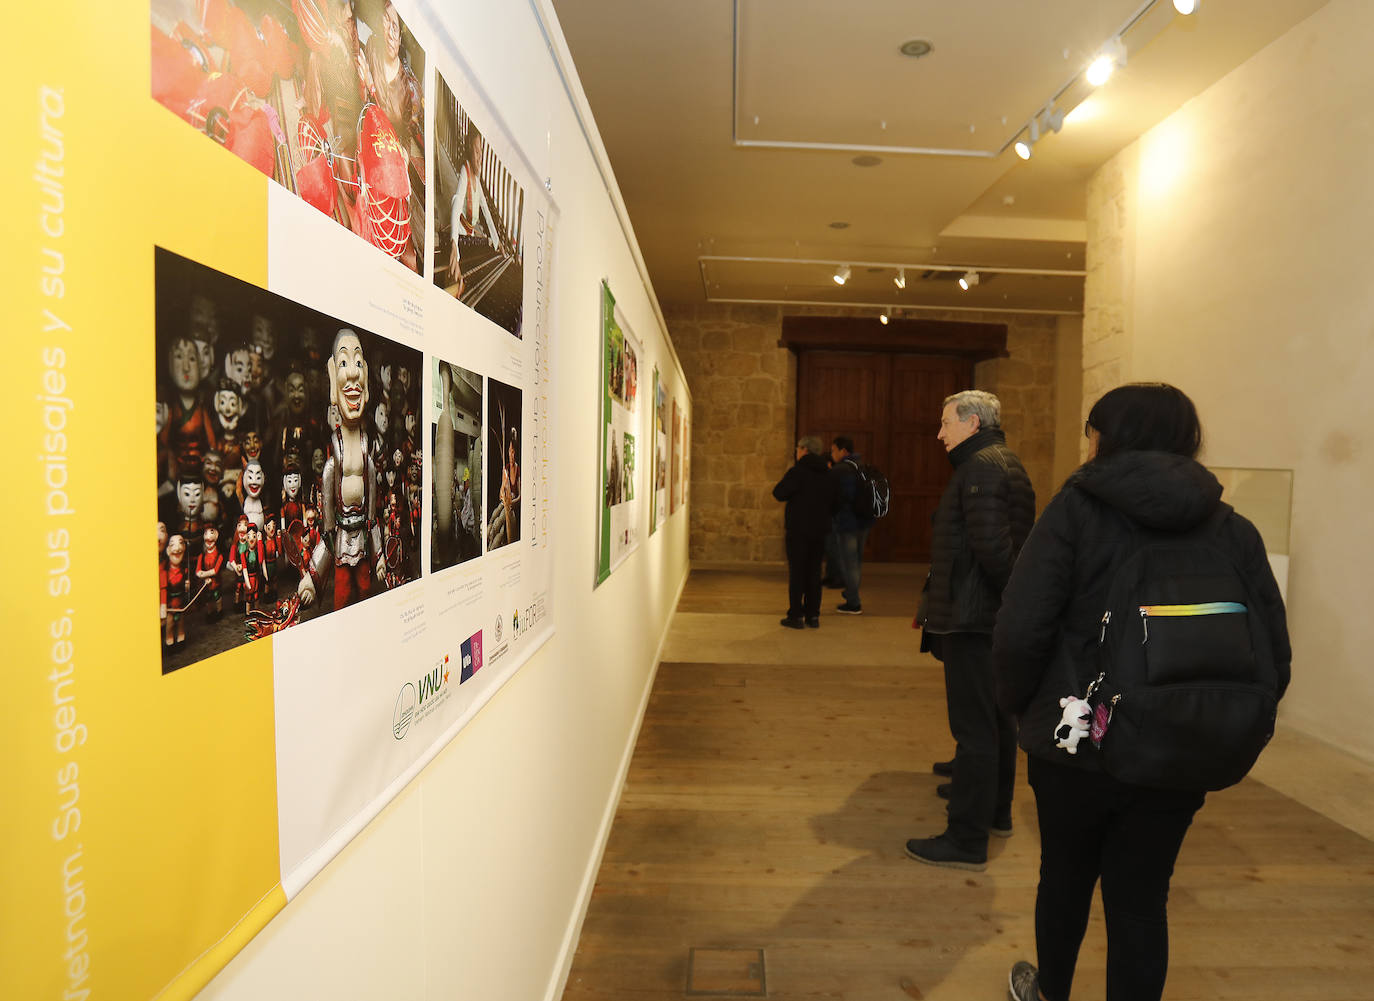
<point x="890" y="405"/>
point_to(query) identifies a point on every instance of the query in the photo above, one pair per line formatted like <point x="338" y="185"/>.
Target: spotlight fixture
<point x="1051" y="119"/>
<point x="900" y="280"/>
<point x="969" y="279"/>
<point x="1023" y="146"/>
<point x="1185" y="6"/>
<point x="842" y="274"/>
<point x="1113" y="54"/>
<point x="883" y="318"/>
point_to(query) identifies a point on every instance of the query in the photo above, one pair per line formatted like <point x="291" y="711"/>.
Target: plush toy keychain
<point x="1074" y="724"/>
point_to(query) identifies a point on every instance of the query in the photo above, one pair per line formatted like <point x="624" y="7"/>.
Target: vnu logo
<point x="430" y="684"/>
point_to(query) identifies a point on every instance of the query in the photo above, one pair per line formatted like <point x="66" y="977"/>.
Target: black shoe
<point x="942" y="851"/>
<point x="849" y="609"/>
<point x="813" y="622"/>
<point x="792" y="623"/>
<point x="944" y="789"/>
<point x="945" y="768"/>
<point x="1023" y="984"/>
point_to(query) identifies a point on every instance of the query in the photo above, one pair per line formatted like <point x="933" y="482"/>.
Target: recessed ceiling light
<point x="916" y="48"/>
<point x="839" y="225"/>
<point x="866" y="160"/>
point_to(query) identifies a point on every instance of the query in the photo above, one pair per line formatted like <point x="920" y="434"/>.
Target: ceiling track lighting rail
<point x="900" y="267"/>
<point x="906" y="308"/>
<point x="1021" y="139"/>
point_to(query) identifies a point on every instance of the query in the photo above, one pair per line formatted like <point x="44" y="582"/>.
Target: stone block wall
<point x="1110" y="256"/>
<point x="744" y="390"/>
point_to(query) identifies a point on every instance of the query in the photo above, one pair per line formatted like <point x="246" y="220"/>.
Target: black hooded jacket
<point x="978" y="527"/>
<point x="810" y="495"/>
<point x="1045" y="644"/>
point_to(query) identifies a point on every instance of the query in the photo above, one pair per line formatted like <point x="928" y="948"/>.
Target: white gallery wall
<point x="1233" y="259"/>
<point x="473" y="881"/>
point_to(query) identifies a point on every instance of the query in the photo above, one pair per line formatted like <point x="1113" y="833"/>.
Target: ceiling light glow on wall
<point x="1113" y="54"/>
<point x="1185" y="6"/>
<point x="900" y="280"/>
<point x="841" y="274"/>
<point x="968" y="280"/>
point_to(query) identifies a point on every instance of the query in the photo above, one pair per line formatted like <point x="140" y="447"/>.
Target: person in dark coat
<point x="850" y="528"/>
<point x="809" y="494"/>
<point x="1141" y="474"/>
<point x="982" y="519"/>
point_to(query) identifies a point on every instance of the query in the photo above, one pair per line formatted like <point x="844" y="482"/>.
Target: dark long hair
<point x="1146" y="417"/>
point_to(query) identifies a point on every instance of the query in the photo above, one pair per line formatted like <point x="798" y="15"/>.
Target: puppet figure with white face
<point x="205" y="331"/>
<point x="292" y="499"/>
<point x="189" y="520"/>
<point x="349" y="487"/>
<point x="189" y="432"/>
<point x="207" y="568"/>
<point x="381" y="420"/>
<point x="228" y="421"/>
<point x="239" y="369"/>
<point x="174" y="581"/>
<point x="251" y="487"/>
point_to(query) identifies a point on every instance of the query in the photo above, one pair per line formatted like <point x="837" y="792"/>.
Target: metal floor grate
<point x="736" y="973"/>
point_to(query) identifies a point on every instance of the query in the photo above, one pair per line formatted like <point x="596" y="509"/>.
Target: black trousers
<point x="804" y="554"/>
<point x="984" y="738"/>
<point x="1093" y="826"/>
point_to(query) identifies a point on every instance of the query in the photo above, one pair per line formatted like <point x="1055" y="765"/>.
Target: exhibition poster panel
<point x="618" y="510"/>
<point x="659" y="498"/>
<point x="675" y="486"/>
<point x="283" y="295"/>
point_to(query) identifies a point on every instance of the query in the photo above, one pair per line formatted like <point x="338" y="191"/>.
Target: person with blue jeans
<point x="850" y="529"/>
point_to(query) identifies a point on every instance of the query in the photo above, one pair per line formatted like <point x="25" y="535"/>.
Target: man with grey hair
<point x="983" y="517"/>
<point x="809" y="495"/>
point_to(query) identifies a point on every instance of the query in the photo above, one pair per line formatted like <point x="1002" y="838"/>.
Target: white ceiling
<point x="733" y="126"/>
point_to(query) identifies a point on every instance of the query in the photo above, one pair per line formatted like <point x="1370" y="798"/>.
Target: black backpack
<point x="872" y="494"/>
<point x="1187" y="691"/>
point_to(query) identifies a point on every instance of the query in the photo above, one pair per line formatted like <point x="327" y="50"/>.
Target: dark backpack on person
<point x="872" y="493"/>
<point x="1187" y="691"/>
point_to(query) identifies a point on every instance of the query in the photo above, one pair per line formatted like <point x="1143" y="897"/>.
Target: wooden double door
<point x="890" y="405"/>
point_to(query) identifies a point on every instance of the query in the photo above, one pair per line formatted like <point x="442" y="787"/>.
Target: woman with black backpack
<point x="1114" y="800"/>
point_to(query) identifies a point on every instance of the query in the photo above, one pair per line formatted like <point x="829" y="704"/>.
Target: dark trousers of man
<point x="1092" y="825"/>
<point x="804" y="554"/>
<point x="984" y="738"/>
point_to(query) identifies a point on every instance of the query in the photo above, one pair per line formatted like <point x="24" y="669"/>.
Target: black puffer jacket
<point x="978" y="527"/>
<point x="810" y="495"/>
<point x="1047" y="631"/>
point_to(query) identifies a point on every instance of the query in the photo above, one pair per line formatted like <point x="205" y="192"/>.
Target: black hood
<point x="1158" y="490"/>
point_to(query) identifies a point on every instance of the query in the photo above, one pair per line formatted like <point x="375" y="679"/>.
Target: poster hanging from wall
<point x="302" y="237"/>
<point x="675" y="474"/>
<point x="686" y="459"/>
<point x="618" y="510"/>
<point x="658" y="499"/>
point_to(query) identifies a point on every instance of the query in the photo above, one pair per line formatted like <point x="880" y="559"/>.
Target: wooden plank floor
<point x="769" y="798"/>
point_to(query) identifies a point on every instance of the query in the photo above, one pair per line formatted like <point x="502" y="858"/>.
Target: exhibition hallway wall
<point x="1232" y="261"/>
<point x="1222" y="258"/>
<point x="473" y="881"/>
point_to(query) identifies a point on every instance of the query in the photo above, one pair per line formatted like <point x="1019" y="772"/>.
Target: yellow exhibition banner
<point x="214" y="191"/>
